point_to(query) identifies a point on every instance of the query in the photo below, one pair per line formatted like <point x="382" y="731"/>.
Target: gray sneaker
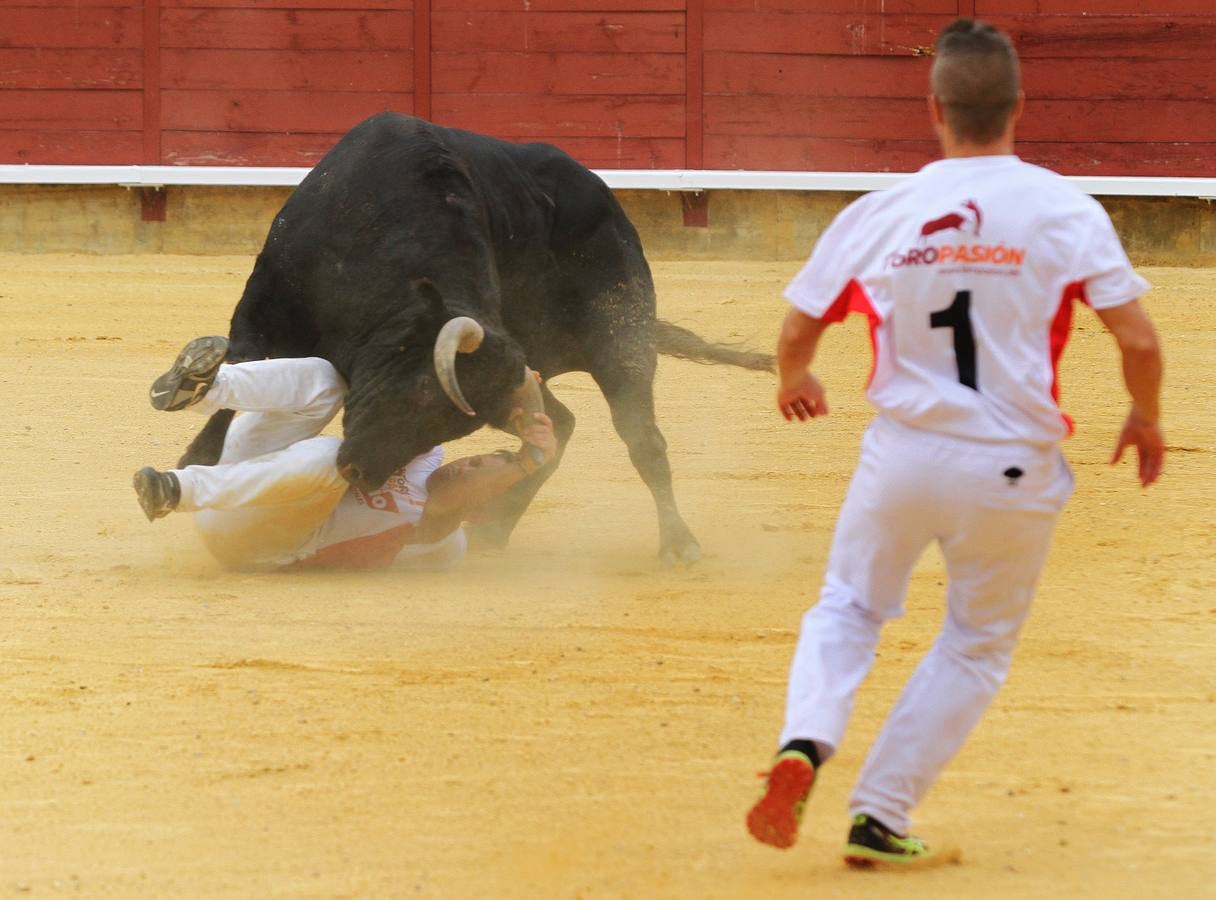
<point x="191" y="376"/>
<point x="158" y="492"/>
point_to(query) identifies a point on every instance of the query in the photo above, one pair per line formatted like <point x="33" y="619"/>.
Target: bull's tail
<point x="676" y="341"/>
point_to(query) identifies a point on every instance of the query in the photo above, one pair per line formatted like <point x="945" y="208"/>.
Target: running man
<point x="967" y="273"/>
<point x="276" y="497"/>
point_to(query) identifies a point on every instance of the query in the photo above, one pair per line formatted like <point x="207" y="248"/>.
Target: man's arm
<point x="1133" y="331"/>
<point x="457" y="490"/>
<point x="800" y="395"/>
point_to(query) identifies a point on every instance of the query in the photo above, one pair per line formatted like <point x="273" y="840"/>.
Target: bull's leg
<point x="630" y="395"/>
<point x="208" y="444"/>
<point x="246" y="341"/>
<point x="493" y="525"/>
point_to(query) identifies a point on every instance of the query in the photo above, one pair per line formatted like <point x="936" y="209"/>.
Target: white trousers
<point x="277" y="480"/>
<point x="991" y="508"/>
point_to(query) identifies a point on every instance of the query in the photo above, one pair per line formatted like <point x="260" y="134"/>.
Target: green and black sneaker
<point x="158" y="492"/>
<point x="191" y="375"/>
<point x="872" y="843"/>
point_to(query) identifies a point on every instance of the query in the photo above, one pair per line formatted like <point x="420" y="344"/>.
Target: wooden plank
<point x="98" y="27"/>
<point x="1111" y="37"/>
<point x="558" y="32"/>
<point x="271" y="29"/>
<point x="1167" y="8"/>
<point x="1069" y="158"/>
<point x="71" y="110"/>
<point x="888" y="7"/>
<point x="694" y="95"/>
<point x="881" y="118"/>
<point x="879" y="76"/>
<point x="240" y="148"/>
<point x="341" y="5"/>
<point x="875" y="118"/>
<point x="151" y="100"/>
<point x="1118" y="120"/>
<point x="823" y="33"/>
<point x="82" y="69"/>
<point x="618" y="153"/>
<point x="41" y="5"/>
<point x="243" y="148"/>
<point x="423" y="59"/>
<point x="511" y="116"/>
<point x="320" y="70"/>
<point x="317" y="111"/>
<point x="1180" y="160"/>
<point x="70" y="148"/>
<point x="536" y="6"/>
<point x="1125" y="37"/>
<point x="1115" y="79"/>
<point x="816" y="154"/>
<point x="558" y="73"/>
<point x="816" y="76"/>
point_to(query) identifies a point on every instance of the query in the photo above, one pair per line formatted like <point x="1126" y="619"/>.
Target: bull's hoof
<point x="487" y="535"/>
<point x="686" y="553"/>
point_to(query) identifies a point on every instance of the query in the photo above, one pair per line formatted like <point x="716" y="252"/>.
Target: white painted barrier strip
<point x="640" y="179"/>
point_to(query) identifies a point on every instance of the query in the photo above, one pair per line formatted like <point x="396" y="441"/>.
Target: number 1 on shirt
<point x="957" y="316"/>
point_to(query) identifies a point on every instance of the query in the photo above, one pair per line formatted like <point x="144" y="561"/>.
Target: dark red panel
<point x="69" y="110"/>
<point x="618" y="153"/>
<point x="536" y="6"/>
<point x="271" y="29"/>
<point x="816" y="154"/>
<point x="340" y="5"/>
<point x="42" y="5"/>
<point x="320" y="70"/>
<point x="1111" y="37"/>
<point x="512" y="116"/>
<point x="240" y="148"/>
<point x="816" y="76"/>
<point x="565" y="32"/>
<point x="70" y="148"/>
<point x="151" y="96"/>
<point x="823" y="33"/>
<point x="874" y="118"/>
<point x="319" y="111"/>
<point x="59" y="27"/>
<point x="1171" y="8"/>
<point x="879" y="76"/>
<point x="1116" y="78"/>
<point x="1180" y="160"/>
<point x="694" y="94"/>
<point x="422" y="60"/>
<point x="56" y="69"/>
<point x="1118" y="120"/>
<point x="889" y="7"/>
<point x="558" y="73"/>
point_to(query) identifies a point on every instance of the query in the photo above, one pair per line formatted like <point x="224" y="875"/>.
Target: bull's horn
<point x="458" y="335"/>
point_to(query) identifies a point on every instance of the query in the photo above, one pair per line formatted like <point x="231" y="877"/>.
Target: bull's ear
<point x="426" y="289"/>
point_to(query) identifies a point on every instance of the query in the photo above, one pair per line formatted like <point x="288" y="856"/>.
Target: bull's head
<point x="429" y="378"/>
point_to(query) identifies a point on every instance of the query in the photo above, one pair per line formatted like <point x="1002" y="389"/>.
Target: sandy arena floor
<point x="564" y="719"/>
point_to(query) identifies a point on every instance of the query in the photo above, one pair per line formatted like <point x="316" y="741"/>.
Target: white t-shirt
<point x="967" y="272"/>
<point x="375" y="528"/>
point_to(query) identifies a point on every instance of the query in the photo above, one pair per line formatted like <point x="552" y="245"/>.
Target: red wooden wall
<point x="1115" y="87"/>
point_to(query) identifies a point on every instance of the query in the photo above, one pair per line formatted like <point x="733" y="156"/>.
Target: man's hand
<point x="1146" y="437"/>
<point x="803" y="398"/>
<point x="539" y="434"/>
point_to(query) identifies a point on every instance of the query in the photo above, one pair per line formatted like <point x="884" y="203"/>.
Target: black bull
<point x="405" y="226"/>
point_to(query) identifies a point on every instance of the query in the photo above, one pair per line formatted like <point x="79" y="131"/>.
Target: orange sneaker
<point x="775" y="817"/>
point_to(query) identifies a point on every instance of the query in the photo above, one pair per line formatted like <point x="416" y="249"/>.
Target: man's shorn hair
<point x="975" y="77"/>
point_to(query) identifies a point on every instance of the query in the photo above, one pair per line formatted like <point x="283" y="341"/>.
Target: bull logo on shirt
<point x="382" y="499"/>
<point x="966" y="218"/>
